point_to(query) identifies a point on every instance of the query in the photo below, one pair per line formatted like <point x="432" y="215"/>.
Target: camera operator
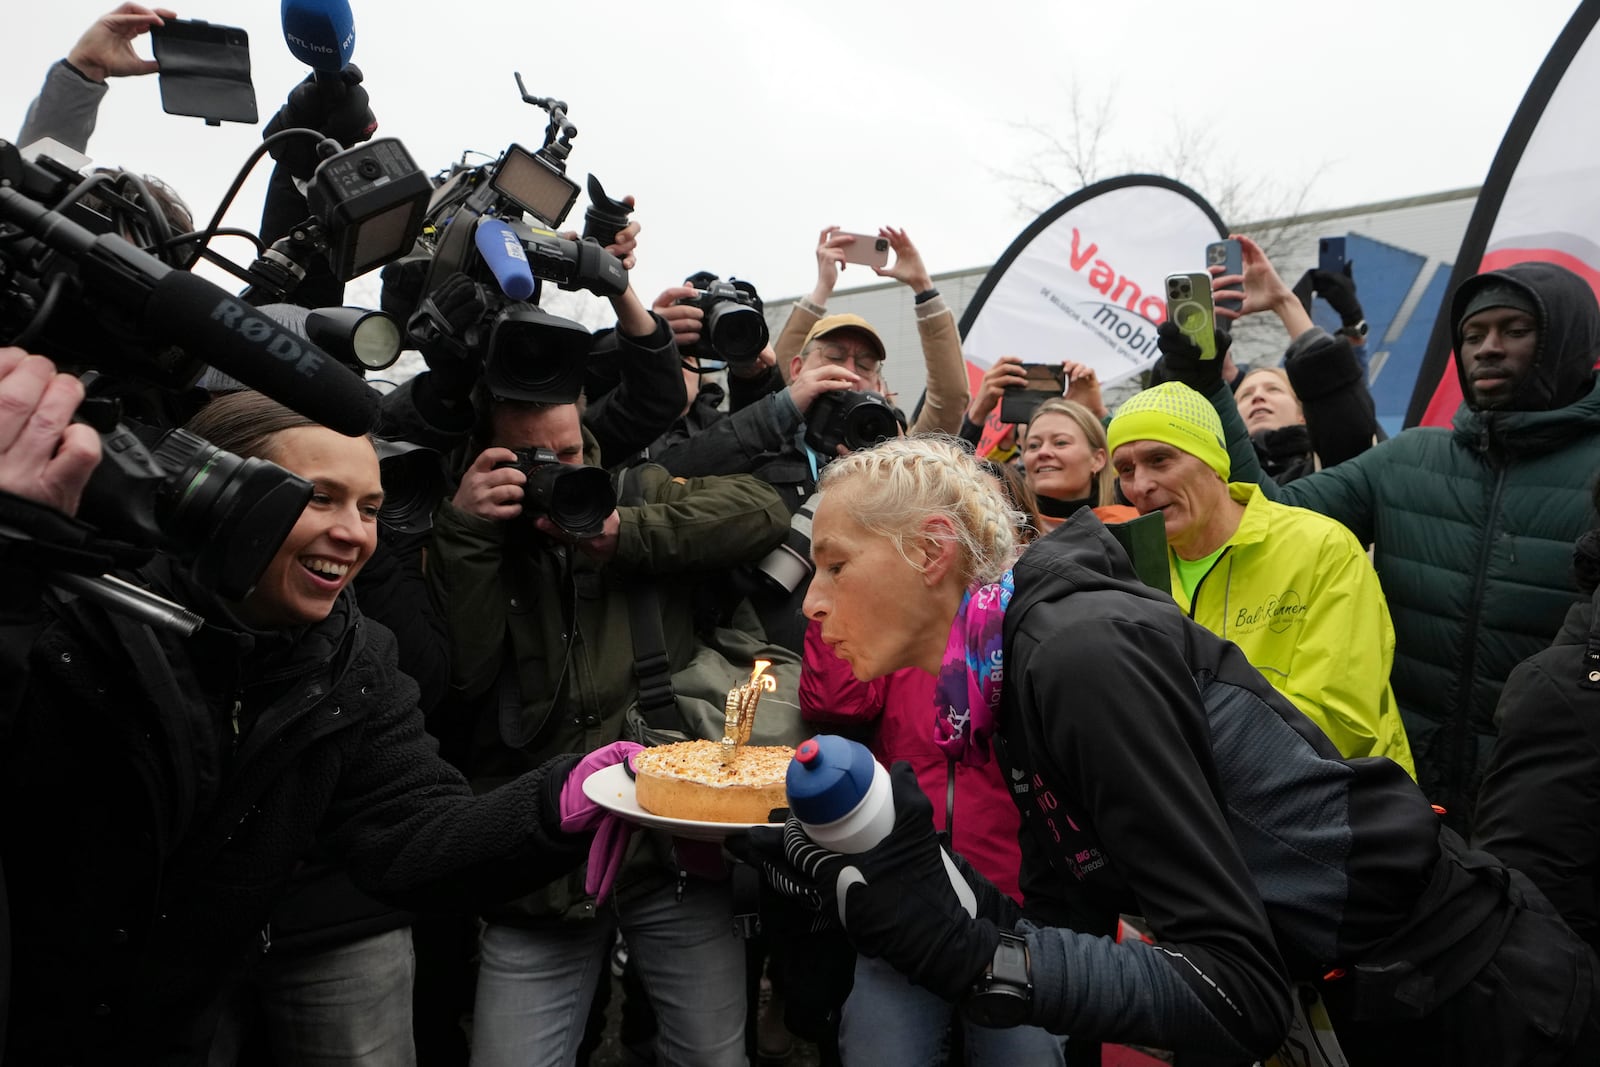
<point x="543" y="645"/>
<point x="946" y="397"/>
<point x="171" y="783"/>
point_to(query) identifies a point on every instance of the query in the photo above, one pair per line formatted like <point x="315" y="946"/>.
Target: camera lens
<point x="226" y="514"/>
<point x="737" y="333"/>
<point x="577" y="499"/>
<point x="870" y="421"/>
<point x="881" y="244"/>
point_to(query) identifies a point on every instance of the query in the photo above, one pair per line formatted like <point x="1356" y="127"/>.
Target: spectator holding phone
<point x="946" y="396"/>
<point x="1292" y="589"/>
<point x="1471" y="526"/>
<point x="1315" y="411"/>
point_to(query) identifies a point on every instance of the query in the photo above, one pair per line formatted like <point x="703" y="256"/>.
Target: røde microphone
<point x="238" y="340"/>
<point x="500" y="248"/>
<point x="320" y="33"/>
<point x="186" y="310"/>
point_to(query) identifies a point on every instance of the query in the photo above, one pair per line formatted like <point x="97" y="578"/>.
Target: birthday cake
<point x="706" y="781"/>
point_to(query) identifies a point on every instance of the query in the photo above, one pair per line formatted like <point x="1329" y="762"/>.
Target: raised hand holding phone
<point x="1189" y="308"/>
<point x="1225" y="259"/>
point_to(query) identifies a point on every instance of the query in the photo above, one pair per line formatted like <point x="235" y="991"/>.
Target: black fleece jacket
<point x="157" y="791"/>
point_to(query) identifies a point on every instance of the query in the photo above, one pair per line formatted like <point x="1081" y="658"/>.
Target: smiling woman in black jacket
<point x="157" y="790"/>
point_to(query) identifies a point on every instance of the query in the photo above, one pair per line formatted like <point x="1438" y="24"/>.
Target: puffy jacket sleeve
<point x="1135" y="758"/>
<point x="699" y="524"/>
<point x="1539" y="808"/>
<point x="465" y="581"/>
<point x="1333" y="393"/>
<point x="944" y="407"/>
<point x="1344" y="492"/>
<point x="829" y="693"/>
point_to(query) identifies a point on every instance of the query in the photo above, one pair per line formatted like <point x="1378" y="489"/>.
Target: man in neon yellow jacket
<point x="1293" y="589"/>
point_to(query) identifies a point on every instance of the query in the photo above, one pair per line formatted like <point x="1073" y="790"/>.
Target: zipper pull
<point x="266" y="939"/>
<point x="237" y="706"/>
<point x="683" y="883"/>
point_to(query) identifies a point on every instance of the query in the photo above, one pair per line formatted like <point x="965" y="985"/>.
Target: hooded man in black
<point x="1472" y="527"/>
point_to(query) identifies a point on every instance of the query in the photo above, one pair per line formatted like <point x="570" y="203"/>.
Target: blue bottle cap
<point x="827" y="778"/>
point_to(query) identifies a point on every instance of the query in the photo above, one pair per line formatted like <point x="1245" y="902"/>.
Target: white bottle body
<point x="869" y="822"/>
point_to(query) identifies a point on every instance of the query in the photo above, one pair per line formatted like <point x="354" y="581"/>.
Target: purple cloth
<point x="966" y="698"/>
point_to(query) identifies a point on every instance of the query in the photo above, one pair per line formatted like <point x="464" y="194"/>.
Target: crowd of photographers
<point x="300" y="779"/>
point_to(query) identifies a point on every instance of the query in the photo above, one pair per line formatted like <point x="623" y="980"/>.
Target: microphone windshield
<point x="320" y="33"/>
<point x="241" y="341"/>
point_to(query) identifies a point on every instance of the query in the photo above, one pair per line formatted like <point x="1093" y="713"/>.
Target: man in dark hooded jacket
<point x="1472" y="527"/>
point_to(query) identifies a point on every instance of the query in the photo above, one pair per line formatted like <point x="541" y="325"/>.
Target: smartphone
<point x="1229" y="255"/>
<point x="205" y="71"/>
<point x="1189" y="309"/>
<point x="867" y="249"/>
<point x="1045" y="380"/>
<point x="1330" y="255"/>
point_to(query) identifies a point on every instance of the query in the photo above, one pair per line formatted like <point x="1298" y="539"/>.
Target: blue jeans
<point x="342" y="1007"/>
<point x="887" y="1020"/>
<point x="534" y="986"/>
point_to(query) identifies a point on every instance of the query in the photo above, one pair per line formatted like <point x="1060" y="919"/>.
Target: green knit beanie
<point x="1176" y="415"/>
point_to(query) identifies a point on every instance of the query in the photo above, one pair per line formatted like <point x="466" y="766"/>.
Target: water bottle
<point x="844" y="801"/>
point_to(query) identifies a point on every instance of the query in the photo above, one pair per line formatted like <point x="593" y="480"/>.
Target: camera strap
<point x="652" y="669"/>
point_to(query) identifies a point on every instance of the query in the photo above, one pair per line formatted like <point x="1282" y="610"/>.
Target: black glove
<point x="895" y="900"/>
<point x="1339" y="290"/>
<point x="993" y="905"/>
<point x="445" y="330"/>
<point x="1181" y="357"/>
<point x="338" y="111"/>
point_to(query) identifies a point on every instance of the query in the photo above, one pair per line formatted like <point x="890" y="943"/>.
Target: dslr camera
<point x="578" y="499"/>
<point x="855" y="420"/>
<point x="733" y="329"/>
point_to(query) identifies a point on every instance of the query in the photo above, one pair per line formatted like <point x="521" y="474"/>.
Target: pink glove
<point x="579" y="813"/>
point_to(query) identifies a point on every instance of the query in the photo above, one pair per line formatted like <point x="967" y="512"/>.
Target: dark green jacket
<point x="540" y="639"/>
<point x="1472" y="530"/>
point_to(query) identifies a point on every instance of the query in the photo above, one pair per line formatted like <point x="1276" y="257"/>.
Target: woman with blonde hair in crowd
<point x="1157" y="774"/>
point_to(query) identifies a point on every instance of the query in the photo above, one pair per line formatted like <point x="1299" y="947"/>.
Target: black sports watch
<point x="1356" y="332"/>
<point x="1004" y="995"/>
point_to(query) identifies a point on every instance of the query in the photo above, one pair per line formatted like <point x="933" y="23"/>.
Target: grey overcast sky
<point x="743" y="128"/>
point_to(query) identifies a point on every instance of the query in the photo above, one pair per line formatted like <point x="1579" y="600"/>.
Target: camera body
<point x="853" y="419"/>
<point x="576" y="498"/>
<point x="733" y="329"/>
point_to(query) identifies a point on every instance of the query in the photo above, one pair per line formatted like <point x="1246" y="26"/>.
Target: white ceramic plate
<point x="612" y="789"/>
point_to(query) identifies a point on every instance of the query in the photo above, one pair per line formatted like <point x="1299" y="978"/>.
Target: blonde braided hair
<point x="894" y="486"/>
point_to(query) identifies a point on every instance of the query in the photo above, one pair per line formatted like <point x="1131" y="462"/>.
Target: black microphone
<point x="203" y="319"/>
<point x="238" y="340"/>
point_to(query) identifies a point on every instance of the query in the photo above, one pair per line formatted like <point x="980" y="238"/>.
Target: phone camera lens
<point x="882" y="244"/>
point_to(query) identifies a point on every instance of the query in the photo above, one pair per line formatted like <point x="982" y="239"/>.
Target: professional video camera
<point x="578" y="499"/>
<point x="733" y="328"/>
<point x="477" y="225"/>
<point x="855" y="420"/>
<point x="131" y="321"/>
